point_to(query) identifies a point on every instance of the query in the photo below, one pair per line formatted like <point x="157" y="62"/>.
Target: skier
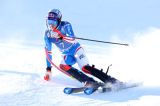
<point x="61" y="34"/>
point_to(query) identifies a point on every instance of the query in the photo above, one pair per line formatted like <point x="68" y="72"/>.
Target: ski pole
<point x="66" y="38"/>
<point x="102" y="41"/>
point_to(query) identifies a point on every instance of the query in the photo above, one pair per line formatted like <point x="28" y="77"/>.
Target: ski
<point x="87" y="90"/>
<point x="101" y="88"/>
<point x="93" y="88"/>
<point x="90" y="90"/>
<point x="70" y="90"/>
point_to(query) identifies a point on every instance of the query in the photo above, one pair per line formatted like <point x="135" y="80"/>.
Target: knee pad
<point x="70" y="60"/>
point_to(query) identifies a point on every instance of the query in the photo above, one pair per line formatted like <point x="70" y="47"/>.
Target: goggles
<point x="52" y="22"/>
<point x="52" y="19"/>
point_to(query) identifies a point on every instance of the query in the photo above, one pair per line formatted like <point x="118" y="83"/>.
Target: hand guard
<point x="48" y="74"/>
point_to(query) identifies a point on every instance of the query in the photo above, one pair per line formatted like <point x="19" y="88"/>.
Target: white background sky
<point x="25" y="19"/>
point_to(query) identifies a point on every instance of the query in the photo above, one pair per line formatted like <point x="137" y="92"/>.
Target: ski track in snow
<point x="21" y="84"/>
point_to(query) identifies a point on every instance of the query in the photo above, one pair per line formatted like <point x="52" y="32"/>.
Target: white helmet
<point x="54" y="14"/>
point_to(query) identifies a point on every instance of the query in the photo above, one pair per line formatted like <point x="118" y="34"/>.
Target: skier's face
<point x="52" y="20"/>
<point x="52" y="23"/>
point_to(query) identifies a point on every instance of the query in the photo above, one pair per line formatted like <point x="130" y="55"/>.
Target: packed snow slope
<point x="22" y="68"/>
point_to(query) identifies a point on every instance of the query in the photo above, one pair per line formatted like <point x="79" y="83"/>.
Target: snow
<point x="22" y="68"/>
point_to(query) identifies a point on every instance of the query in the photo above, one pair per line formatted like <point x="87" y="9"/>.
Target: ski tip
<point x="67" y="90"/>
<point x="89" y="91"/>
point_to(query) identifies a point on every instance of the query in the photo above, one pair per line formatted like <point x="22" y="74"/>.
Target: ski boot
<point x="110" y="83"/>
<point x="104" y="77"/>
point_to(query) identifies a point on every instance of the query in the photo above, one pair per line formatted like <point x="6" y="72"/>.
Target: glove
<point x="60" y="38"/>
<point x="48" y="74"/>
<point x="48" y="69"/>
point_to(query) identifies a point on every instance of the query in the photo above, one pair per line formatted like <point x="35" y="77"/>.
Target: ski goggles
<point x="53" y="22"/>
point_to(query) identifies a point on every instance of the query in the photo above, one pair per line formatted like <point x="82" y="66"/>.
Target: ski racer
<point x="61" y="34"/>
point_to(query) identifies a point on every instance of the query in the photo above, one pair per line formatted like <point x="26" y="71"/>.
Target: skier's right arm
<point x="48" y="47"/>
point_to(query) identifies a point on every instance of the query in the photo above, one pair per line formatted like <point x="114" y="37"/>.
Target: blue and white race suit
<point x="72" y="51"/>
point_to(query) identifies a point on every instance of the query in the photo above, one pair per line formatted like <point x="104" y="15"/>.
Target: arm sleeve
<point x="48" y="47"/>
<point x="69" y="30"/>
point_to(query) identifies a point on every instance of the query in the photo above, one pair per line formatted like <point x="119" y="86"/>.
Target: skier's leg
<point x="84" y="65"/>
<point x="66" y="65"/>
<point x="99" y="74"/>
<point x="81" y="58"/>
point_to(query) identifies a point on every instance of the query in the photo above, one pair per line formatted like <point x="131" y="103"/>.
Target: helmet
<point x="54" y="17"/>
<point x="54" y="14"/>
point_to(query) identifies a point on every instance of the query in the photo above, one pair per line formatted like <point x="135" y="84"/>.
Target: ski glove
<point x="48" y="69"/>
<point x="48" y="74"/>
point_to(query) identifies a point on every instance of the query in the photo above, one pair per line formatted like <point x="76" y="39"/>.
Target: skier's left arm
<point x="69" y="32"/>
<point x="48" y="49"/>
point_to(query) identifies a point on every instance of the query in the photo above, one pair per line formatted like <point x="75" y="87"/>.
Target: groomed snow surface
<point x="22" y="68"/>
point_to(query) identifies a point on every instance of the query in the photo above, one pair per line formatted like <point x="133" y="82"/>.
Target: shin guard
<point x="76" y="73"/>
<point x="96" y="72"/>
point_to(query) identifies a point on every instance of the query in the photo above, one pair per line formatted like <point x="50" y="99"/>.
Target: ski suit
<point x="71" y="50"/>
<point x="72" y="53"/>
